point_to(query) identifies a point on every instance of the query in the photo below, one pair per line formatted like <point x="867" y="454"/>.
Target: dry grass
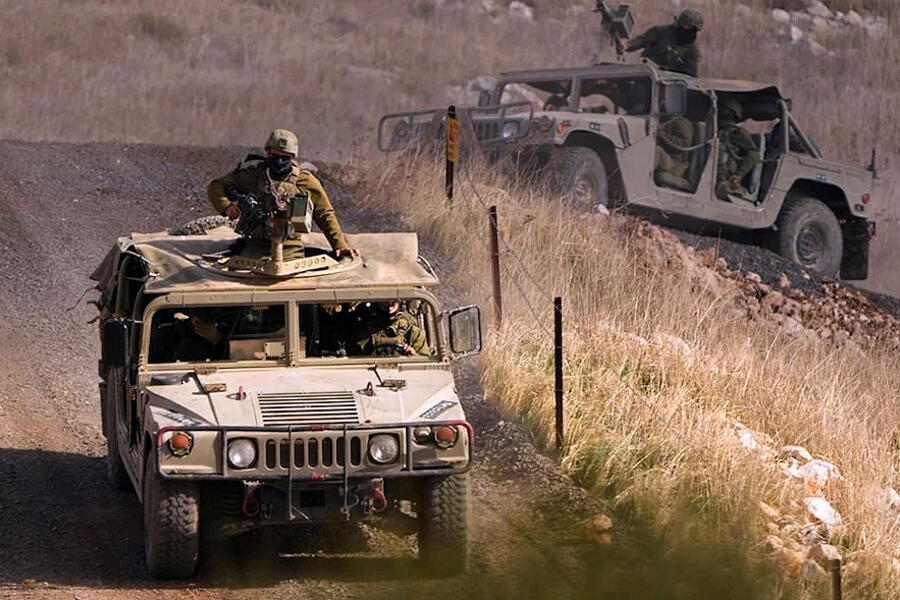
<point x="657" y="365"/>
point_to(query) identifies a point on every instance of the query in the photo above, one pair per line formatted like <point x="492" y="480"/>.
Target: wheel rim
<point x="810" y="245"/>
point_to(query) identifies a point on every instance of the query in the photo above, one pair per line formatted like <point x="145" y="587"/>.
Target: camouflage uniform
<point x="738" y="153"/>
<point x="253" y="178"/>
<point x="679" y="132"/>
<point x="382" y="328"/>
<point x="672" y="47"/>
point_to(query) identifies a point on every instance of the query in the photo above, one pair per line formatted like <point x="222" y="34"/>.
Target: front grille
<point x="308" y="408"/>
<point x="313" y="453"/>
<point x="487" y="130"/>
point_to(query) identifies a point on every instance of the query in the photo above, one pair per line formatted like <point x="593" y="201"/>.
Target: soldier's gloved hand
<point x="408" y="350"/>
<point x="339" y="252"/>
<point x="232" y="211"/>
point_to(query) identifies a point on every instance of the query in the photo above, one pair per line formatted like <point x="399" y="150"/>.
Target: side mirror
<point x="114" y="351"/>
<point x="465" y="331"/>
<point x="673" y="98"/>
<point x="484" y="98"/>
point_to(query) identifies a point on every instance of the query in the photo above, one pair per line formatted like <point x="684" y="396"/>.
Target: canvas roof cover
<point x="389" y="260"/>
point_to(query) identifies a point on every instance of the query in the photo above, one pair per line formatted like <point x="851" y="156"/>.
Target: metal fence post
<point x="451" y="148"/>
<point x="495" y="266"/>
<point x="558" y="368"/>
<point x="836" y="593"/>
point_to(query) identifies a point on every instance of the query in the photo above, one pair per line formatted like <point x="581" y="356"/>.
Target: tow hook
<point x="379" y="500"/>
<point x="251" y="506"/>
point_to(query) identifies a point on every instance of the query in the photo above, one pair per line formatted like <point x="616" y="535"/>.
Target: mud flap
<point x="855" y="261"/>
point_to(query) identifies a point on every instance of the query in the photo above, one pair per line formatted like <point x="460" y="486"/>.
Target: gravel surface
<point x="64" y="533"/>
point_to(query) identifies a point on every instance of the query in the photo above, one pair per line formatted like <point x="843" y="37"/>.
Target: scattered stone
<point x="853" y="18"/>
<point x="817" y="8"/>
<point x="792" y="327"/>
<point x="816" y="474"/>
<point x="753" y="277"/>
<point x="781" y="16"/>
<point x="811" y="570"/>
<point x="824" y="555"/>
<point x="521" y="10"/>
<point x="773" y="300"/>
<point x="796" y="36"/>
<point x="773" y="544"/>
<point x="822" y="510"/>
<point x="783" y="281"/>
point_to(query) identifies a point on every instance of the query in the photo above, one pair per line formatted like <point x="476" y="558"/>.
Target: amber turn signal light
<point x="181" y="443"/>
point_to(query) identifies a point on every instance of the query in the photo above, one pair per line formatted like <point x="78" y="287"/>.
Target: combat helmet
<point x="283" y="140"/>
<point x="690" y="17"/>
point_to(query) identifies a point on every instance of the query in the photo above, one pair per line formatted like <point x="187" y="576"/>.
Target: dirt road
<point x="64" y="533"/>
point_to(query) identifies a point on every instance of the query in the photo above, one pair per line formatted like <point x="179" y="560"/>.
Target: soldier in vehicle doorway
<point x="280" y="173"/>
<point x="386" y="328"/>
<point x="738" y="153"/>
<point x="672" y="47"/>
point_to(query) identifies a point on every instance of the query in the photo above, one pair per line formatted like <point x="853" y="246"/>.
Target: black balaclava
<point x="279" y="166"/>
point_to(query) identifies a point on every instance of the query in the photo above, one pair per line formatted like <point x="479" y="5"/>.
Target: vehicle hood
<point x="297" y="396"/>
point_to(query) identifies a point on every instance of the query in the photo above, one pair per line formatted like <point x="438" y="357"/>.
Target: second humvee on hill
<point x="285" y="420"/>
<point x="593" y="133"/>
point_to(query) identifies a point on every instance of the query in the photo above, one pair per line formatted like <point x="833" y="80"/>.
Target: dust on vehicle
<point x="594" y="134"/>
<point x="237" y="397"/>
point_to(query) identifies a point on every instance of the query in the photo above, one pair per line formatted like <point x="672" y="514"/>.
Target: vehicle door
<point x="618" y="108"/>
<point x="684" y="175"/>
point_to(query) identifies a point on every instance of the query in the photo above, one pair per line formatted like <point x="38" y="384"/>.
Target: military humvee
<point x="280" y="418"/>
<point x="593" y="132"/>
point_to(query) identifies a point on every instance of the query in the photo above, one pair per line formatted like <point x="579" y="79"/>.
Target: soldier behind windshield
<point x="672" y="47"/>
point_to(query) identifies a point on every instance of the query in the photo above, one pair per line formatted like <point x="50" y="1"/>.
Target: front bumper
<point x="294" y="456"/>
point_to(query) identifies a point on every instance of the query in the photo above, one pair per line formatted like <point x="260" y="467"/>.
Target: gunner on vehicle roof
<point x="279" y="172"/>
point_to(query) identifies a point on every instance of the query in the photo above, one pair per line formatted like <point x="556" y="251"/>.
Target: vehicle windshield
<point x="222" y="334"/>
<point x="388" y="328"/>
<point x="620" y="95"/>
<point x="542" y="94"/>
<point x="218" y="333"/>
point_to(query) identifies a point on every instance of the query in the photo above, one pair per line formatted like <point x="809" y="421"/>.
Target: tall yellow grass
<point x="658" y="364"/>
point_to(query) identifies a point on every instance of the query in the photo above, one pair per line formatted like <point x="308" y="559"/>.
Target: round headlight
<point x="383" y="448"/>
<point x="241" y="453"/>
<point x="510" y="129"/>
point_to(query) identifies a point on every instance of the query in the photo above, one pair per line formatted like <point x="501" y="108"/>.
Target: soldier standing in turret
<point x="278" y="172"/>
<point x="672" y="47"/>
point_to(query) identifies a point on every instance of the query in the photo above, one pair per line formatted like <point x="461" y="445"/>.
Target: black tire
<point x="171" y="524"/>
<point x="115" y="468"/>
<point x="443" y="518"/>
<point x="580" y="175"/>
<point x="809" y="234"/>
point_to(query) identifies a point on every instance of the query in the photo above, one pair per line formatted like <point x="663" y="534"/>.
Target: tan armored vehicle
<point x="594" y="132"/>
<point x="233" y="400"/>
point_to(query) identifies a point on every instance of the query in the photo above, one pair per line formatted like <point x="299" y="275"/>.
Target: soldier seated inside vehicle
<point x="226" y="333"/>
<point x="682" y="145"/>
<point x="395" y="328"/>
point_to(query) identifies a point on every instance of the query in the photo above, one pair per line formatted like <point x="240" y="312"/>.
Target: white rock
<point x="816" y="474"/>
<point x="853" y="18"/>
<point x="817" y="8"/>
<point x="796" y="34"/>
<point x="798" y="453"/>
<point x="752" y="440"/>
<point x="488" y="6"/>
<point x="742" y="10"/>
<point x="522" y="10"/>
<point x="673" y="343"/>
<point x="781" y="16"/>
<point x="792" y="327"/>
<point x="822" y="510"/>
<point x="877" y="28"/>
<point x="821" y="26"/>
<point x="893" y="499"/>
<point x="817" y="48"/>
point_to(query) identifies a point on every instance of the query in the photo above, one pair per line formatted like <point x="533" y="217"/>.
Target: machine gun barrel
<point x="617" y="23"/>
